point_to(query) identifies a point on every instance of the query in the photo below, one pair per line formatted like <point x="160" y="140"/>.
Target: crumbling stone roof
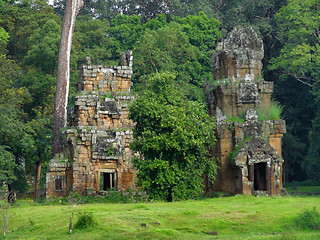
<point x="256" y="150"/>
<point x="243" y="39"/>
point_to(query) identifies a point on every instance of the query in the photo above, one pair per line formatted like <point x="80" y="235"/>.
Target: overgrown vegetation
<point x="308" y="220"/>
<point x="172" y="137"/>
<point x="131" y="195"/>
<point x="269" y="113"/>
<point x="85" y="220"/>
<point x="272" y="112"/>
<point x="235" y="151"/>
<point x="29" y="38"/>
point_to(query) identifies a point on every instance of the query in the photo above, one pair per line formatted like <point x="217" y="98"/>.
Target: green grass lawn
<point x="304" y="189"/>
<point x="238" y="217"/>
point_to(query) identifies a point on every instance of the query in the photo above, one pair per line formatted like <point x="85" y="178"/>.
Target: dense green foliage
<point x="299" y="60"/>
<point x="7" y="165"/>
<point x="299" y="25"/>
<point x="4" y="36"/>
<point x="16" y="143"/>
<point x="145" y="9"/>
<point x="27" y="86"/>
<point x="172" y="137"/>
<point x="43" y="51"/>
<point x="176" y="36"/>
<point x="298" y="111"/>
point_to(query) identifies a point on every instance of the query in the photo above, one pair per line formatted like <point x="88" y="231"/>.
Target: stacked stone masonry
<point x="249" y="151"/>
<point x="96" y="153"/>
<point x="97" y="157"/>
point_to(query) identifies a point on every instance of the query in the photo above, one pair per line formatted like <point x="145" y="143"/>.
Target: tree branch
<point x="299" y="79"/>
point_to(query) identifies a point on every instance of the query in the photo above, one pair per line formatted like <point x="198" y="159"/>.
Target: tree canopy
<point x="300" y="32"/>
<point x="172" y="137"/>
<point x="298" y="60"/>
<point x="176" y="36"/>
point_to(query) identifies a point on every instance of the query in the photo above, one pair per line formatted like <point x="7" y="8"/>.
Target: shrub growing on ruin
<point x="272" y="112"/>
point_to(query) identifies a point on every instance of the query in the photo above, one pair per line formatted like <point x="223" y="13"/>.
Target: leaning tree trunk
<point x="61" y="97"/>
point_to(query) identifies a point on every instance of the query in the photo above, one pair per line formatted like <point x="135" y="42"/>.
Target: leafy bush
<point x="271" y="113"/>
<point x="85" y="220"/>
<point x="308" y="220"/>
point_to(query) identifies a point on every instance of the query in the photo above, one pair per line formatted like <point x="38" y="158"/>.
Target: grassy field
<point x="304" y="190"/>
<point x="238" y="217"/>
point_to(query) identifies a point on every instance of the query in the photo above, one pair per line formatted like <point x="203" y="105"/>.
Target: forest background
<point x="177" y="36"/>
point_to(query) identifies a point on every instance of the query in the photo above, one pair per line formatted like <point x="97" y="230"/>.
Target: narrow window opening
<point x="260" y="176"/>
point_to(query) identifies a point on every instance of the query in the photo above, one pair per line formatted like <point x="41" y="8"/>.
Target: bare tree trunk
<point x="4" y="214"/>
<point x="5" y="218"/>
<point x="71" y="221"/>
<point x="74" y="200"/>
<point x="11" y="196"/>
<point x="61" y="97"/>
<point x="38" y="174"/>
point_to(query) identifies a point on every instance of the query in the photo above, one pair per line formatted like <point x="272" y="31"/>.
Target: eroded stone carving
<point x="237" y="55"/>
<point x="96" y="155"/>
<point x="256" y="167"/>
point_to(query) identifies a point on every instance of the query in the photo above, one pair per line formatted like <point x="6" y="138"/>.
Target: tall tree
<point x="146" y="9"/>
<point x="172" y="137"/>
<point x="300" y="32"/>
<point x="62" y="90"/>
<point x="43" y="50"/>
<point x="183" y="45"/>
<point x="299" y="59"/>
<point x="16" y="143"/>
<point x="21" y="20"/>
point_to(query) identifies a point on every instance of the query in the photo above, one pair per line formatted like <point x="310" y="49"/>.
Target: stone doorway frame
<point x="113" y="173"/>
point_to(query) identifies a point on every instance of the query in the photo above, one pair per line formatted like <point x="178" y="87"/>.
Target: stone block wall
<point x="102" y="79"/>
<point x="96" y="154"/>
<point x="249" y="151"/>
<point x="235" y="97"/>
<point x="231" y="135"/>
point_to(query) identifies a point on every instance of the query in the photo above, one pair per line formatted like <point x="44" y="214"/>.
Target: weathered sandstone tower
<point x="96" y="154"/>
<point x="249" y="150"/>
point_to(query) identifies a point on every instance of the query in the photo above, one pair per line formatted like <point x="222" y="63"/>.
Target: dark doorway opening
<point x="107" y="181"/>
<point x="58" y="184"/>
<point x="260" y="176"/>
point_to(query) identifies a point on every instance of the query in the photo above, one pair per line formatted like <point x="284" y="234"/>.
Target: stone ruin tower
<point x="248" y="151"/>
<point x="96" y="152"/>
